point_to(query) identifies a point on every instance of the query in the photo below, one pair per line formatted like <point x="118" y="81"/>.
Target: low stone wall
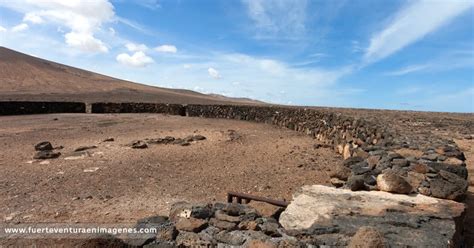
<point x="27" y="108"/>
<point x="422" y="163"/>
<point x="172" y="109"/>
<point x="378" y="156"/>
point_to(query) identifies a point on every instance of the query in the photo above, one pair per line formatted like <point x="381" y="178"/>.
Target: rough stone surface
<point x="368" y="237"/>
<point x="328" y="213"/>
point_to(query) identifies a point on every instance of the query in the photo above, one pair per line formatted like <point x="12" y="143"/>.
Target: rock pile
<point x="318" y="216"/>
<point x="212" y="225"/>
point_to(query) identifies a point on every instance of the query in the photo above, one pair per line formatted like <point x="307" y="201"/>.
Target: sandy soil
<point x="127" y="184"/>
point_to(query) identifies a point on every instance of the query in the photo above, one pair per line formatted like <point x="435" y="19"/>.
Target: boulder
<point x="391" y="182"/>
<point x="337" y="215"/>
<point x="44" y="146"/>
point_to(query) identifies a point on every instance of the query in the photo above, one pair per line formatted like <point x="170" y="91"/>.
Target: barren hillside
<point x="24" y="77"/>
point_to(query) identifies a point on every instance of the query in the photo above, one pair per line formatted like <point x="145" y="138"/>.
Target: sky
<point x="404" y="54"/>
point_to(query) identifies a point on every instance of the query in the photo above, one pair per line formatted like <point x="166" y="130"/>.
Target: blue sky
<point x="416" y="55"/>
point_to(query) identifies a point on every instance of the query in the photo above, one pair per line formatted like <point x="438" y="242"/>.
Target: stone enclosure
<point x="413" y="162"/>
<point x="378" y="156"/>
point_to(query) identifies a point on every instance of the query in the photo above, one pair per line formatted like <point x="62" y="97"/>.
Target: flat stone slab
<point x="333" y="216"/>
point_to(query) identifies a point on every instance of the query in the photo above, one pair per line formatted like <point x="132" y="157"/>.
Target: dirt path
<point x="468" y="147"/>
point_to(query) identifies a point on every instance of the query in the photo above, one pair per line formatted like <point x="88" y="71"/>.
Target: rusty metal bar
<point x="247" y="198"/>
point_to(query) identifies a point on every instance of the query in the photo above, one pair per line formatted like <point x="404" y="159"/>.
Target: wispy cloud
<point x="408" y="69"/>
<point x="448" y="61"/>
<point x="277" y="18"/>
<point x="412" y="23"/>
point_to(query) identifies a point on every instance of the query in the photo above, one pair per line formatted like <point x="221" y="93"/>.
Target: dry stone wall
<point x="378" y="156"/>
<point x="26" y="108"/>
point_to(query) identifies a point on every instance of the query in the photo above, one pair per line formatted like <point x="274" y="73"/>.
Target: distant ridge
<point x="27" y="78"/>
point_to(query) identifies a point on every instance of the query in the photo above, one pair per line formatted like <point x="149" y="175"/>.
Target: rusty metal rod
<point x="247" y="198"/>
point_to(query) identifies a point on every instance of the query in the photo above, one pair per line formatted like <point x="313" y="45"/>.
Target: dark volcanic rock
<point x="44" y="146"/>
<point x="356" y="183"/>
<point x="139" y="145"/>
<point x="46" y="155"/>
<point x="448" y="186"/>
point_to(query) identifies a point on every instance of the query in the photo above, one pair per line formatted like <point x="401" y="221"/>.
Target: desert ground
<point x="116" y="183"/>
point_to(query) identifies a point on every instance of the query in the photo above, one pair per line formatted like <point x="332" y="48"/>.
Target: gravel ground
<point x="115" y="183"/>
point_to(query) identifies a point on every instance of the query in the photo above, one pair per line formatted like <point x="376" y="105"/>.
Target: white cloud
<point x="187" y="66"/>
<point x="213" y="73"/>
<point x="138" y="59"/>
<point x="2" y="29"/>
<point x="85" y="42"/>
<point x="277" y="18"/>
<point x="412" y="23"/>
<point x="20" y="27"/>
<point x="166" y="49"/>
<point x="132" y="47"/>
<point x="33" y="18"/>
<point x="83" y="18"/>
